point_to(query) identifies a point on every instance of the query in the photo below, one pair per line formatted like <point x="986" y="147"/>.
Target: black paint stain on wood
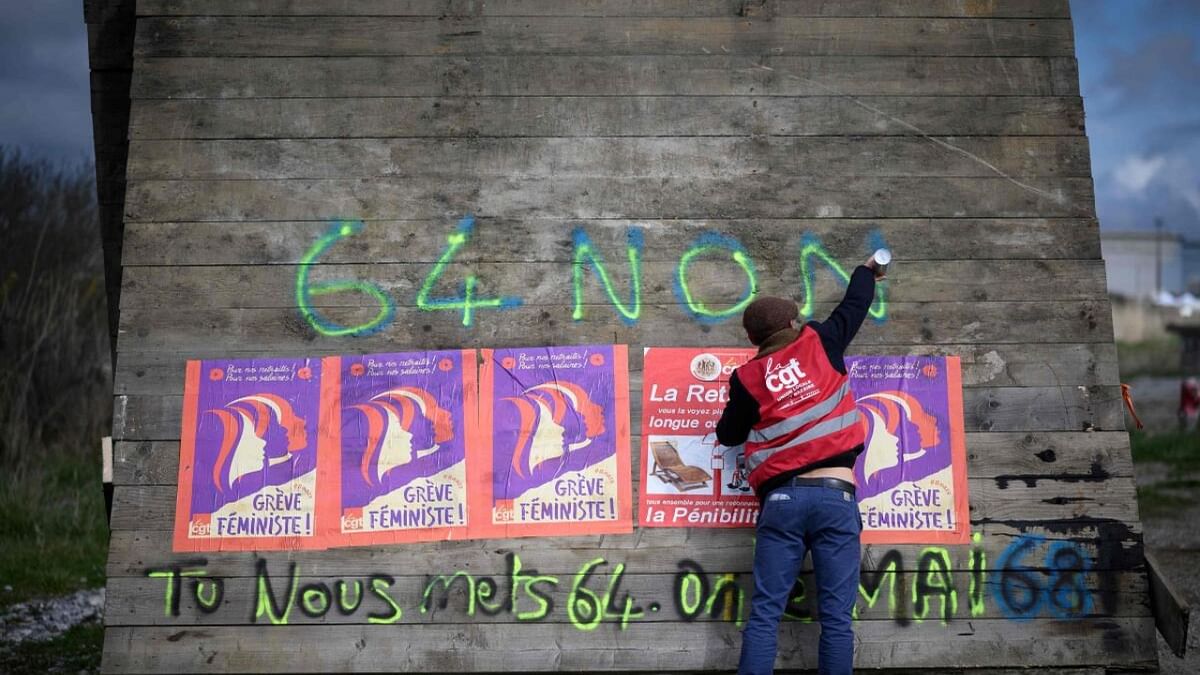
<point x="1062" y="501"/>
<point x="1097" y="475"/>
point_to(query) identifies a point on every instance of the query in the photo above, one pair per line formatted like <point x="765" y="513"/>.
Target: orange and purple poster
<point x="912" y="477"/>
<point x="555" y="456"/>
<point x="406" y="421"/>
<point x="249" y="450"/>
<point x="688" y="480"/>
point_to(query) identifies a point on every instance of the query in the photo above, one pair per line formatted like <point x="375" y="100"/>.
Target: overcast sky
<point x="1139" y="70"/>
<point x="1139" y="66"/>
<point x="45" y="101"/>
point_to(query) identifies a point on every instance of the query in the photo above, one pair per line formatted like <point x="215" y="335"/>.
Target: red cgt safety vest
<point x="806" y="409"/>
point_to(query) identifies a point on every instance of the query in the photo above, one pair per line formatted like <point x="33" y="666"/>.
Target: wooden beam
<point x="1171" y="610"/>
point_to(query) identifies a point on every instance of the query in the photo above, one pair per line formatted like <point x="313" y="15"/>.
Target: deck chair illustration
<point x="670" y="469"/>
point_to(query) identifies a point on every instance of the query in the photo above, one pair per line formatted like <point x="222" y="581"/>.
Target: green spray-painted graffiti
<point x="468" y="302"/>
<point x="601" y="592"/>
<point x="707" y="244"/>
<point x="811" y="252"/>
<point x="306" y="289"/>
<point x="585" y="256"/>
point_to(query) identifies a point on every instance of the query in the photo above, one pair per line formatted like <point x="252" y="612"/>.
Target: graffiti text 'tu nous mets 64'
<point x="588" y="262"/>
<point x="1033" y="578"/>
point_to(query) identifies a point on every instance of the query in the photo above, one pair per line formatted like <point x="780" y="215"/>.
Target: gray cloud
<point x="1163" y="69"/>
<point x="1168" y="137"/>
<point x="45" y="100"/>
<point x="1171" y="12"/>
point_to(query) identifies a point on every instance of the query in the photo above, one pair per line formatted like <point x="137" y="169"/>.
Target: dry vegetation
<point x="55" y="386"/>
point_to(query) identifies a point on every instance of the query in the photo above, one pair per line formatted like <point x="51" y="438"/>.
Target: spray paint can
<point x="882" y="258"/>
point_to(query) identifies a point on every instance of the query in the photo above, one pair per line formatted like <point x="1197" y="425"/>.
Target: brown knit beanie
<point x="766" y="316"/>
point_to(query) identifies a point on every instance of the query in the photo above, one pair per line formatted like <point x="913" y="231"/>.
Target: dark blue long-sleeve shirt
<point x="836" y="333"/>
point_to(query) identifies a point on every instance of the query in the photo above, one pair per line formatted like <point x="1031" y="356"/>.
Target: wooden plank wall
<point x="110" y="26"/>
<point x="951" y="130"/>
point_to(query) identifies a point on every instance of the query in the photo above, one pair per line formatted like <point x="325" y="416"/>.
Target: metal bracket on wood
<point x="1171" y="611"/>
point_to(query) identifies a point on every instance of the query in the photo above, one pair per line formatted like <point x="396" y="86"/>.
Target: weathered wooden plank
<point x="1026" y="365"/>
<point x="159" y="37"/>
<point x="907" y="324"/>
<point x="424" y="599"/>
<point x="110" y="122"/>
<point x="1028" y="157"/>
<point x="548" y="239"/>
<point x="1171" y="611"/>
<point x="216" y="77"/>
<point x="110" y="43"/>
<point x="758" y="196"/>
<point x="1044" y="409"/>
<point x="1002" y="499"/>
<point x="936" y="8"/>
<point x="667" y="646"/>
<point x="1004" y="457"/>
<point x="1022" y="409"/>
<point x="1104" y="545"/>
<point x="438" y="8"/>
<point x="173" y="384"/>
<point x="719" y="282"/>
<point x="152" y="507"/>
<point x="573" y="116"/>
<point x="1054" y="9"/>
<point x="1028" y="458"/>
<point x="100" y="11"/>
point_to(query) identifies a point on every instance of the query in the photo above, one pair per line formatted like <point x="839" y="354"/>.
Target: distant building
<point x="1132" y="261"/>
<point x="1191" y="266"/>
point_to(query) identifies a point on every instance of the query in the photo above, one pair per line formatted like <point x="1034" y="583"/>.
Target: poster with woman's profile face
<point x="248" y="455"/>
<point x="556" y="458"/>
<point x="912" y="474"/>
<point x="406" y="420"/>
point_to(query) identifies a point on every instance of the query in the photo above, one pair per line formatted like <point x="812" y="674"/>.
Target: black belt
<point x="835" y="483"/>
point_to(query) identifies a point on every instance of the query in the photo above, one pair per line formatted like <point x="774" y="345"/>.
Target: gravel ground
<point x="45" y="619"/>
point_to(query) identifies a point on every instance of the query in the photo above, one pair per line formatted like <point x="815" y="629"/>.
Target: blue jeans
<point x="794" y="520"/>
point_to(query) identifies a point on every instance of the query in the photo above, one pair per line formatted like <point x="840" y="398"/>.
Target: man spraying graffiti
<point x="792" y="407"/>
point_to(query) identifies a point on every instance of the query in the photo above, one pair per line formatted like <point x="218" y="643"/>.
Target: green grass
<point x="53" y="526"/>
<point x="1158" y="357"/>
<point x="1161" y="501"/>
<point x="75" y="651"/>
<point x="55" y="541"/>
<point x="1179" y="451"/>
